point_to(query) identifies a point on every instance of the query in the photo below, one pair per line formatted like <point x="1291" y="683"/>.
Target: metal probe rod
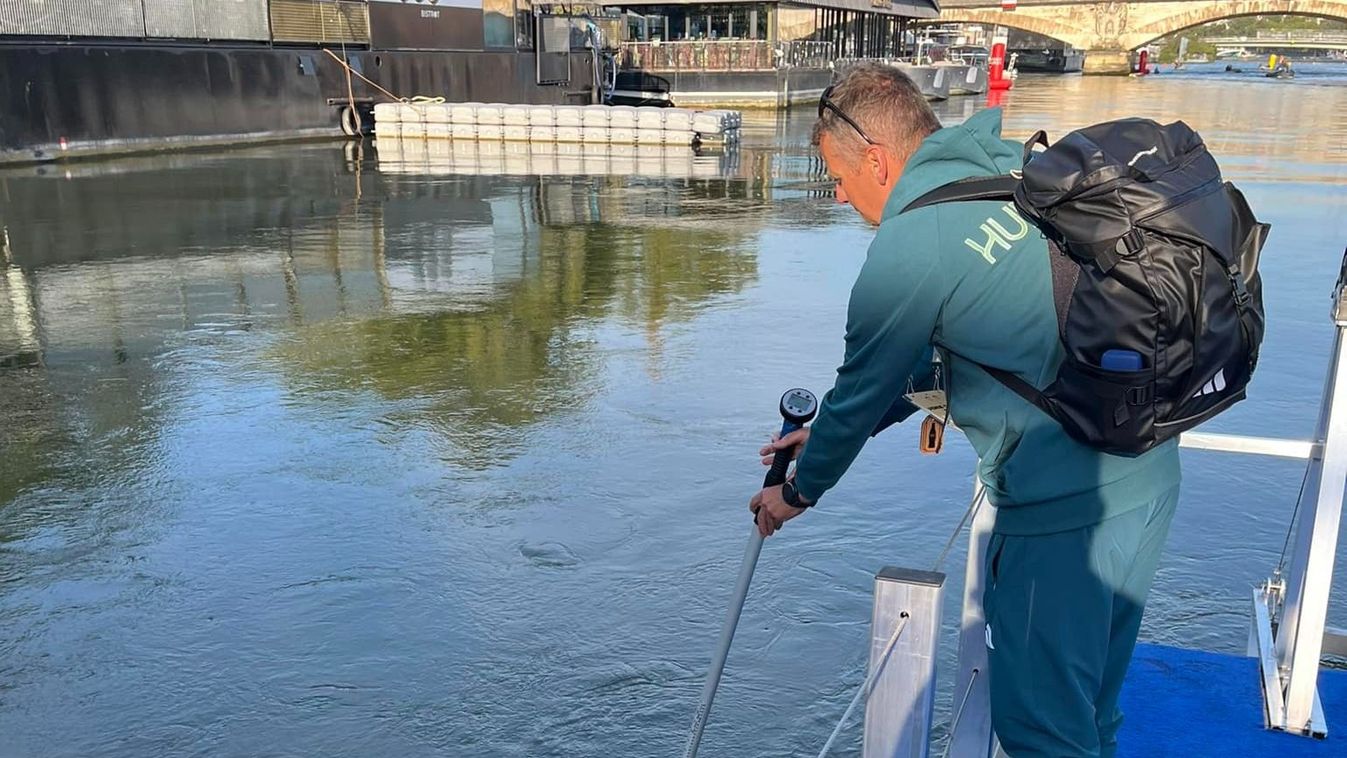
<point x="796" y="416"/>
<point x="726" y="638"/>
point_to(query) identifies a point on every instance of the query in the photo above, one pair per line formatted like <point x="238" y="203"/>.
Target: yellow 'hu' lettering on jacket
<point x="998" y="235"/>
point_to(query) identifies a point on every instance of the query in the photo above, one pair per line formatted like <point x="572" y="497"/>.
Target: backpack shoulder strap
<point x="1013" y="383"/>
<point x="1021" y="388"/>
<point x="1002" y="187"/>
<point x="973" y="188"/>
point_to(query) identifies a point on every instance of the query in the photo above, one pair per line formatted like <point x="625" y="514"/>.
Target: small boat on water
<point x="1277" y="68"/>
<point x="964" y="79"/>
<point x="933" y="80"/>
<point x="968" y="69"/>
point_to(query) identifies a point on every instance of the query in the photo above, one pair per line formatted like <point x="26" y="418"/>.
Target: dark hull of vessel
<point x="63" y="101"/>
<point x="1051" y="61"/>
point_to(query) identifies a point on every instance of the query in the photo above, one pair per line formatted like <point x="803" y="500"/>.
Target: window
<point x="699" y="27"/>
<point x="523" y="24"/>
<point x="657" y="27"/>
<point x="739" y="28"/>
<point x="719" y="22"/>
<point x="498" y="23"/>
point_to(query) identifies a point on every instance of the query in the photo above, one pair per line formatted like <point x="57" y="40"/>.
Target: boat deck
<point x="1194" y="703"/>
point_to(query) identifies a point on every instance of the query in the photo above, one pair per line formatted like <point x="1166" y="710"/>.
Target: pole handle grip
<point x="781" y="461"/>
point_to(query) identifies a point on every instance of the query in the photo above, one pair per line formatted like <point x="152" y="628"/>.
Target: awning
<point x="906" y="8"/>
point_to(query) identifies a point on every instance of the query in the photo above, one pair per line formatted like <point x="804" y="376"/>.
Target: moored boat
<point x="84" y="78"/>
<point x="934" y="81"/>
<point x="964" y="79"/>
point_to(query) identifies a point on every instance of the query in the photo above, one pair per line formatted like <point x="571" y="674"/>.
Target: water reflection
<point x="19" y="344"/>
<point x="475" y="294"/>
<point x="489" y="340"/>
<point x="550" y="159"/>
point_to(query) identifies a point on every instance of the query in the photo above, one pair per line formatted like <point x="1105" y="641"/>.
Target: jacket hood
<point x="973" y="148"/>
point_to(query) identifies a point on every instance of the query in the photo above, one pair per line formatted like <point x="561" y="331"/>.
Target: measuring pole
<point x="798" y="407"/>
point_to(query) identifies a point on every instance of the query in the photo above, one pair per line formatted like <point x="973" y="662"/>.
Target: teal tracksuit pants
<point x="1063" y="612"/>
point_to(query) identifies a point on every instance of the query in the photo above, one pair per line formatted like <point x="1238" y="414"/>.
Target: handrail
<point x="1283" y="37"/>
<point x="724" y="55"/>
<point x="1269" y="446"/>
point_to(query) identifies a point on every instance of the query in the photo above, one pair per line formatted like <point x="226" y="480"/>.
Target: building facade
<point x="856" y="28"/>
<point x="757" y="54"/>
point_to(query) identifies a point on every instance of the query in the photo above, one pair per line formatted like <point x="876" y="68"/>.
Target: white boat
<point x="964" y="79"/>
<point x="968" y="69"/>
<point x="934" y="81"/>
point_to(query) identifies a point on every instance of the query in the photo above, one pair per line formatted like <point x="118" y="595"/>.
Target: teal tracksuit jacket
<point x="1078" y="533"/>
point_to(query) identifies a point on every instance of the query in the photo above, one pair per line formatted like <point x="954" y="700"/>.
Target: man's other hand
<point x="795" y="440"/>
<point x="771" y="511"/>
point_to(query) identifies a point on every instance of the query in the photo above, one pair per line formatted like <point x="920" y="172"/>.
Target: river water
<point x="311" y="451"/>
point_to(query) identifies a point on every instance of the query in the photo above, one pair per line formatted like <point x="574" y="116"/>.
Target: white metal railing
<point x="1303" y="598"/>
<point x="724" y="55"/>
<point x="1230" y="443"/>
<point x="1338" y="37"/>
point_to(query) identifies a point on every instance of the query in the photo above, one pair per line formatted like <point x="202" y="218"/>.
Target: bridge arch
<point x="1191" y="14"/>
<point x="1108" y="29"/>
<point x="1044" y="25"/>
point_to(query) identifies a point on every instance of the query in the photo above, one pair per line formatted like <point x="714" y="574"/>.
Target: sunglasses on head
<point x="825" y="103"/>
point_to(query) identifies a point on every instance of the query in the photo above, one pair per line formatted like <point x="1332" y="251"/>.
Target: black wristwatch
<point x="792" y="495"/>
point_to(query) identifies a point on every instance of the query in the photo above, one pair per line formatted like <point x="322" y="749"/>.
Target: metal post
<point x="1300" y="635"/>
<point x="900" y="708"/>
<point x="1260" y="647"/>
<point x="1321" y="523"/>
<point x="1290" y="613"/>
<point x="1289" y="617"/>
<point x="971" y="736"/>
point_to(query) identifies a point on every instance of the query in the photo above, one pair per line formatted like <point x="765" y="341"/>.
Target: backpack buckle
<point x="1242" y="296"/>
<point x="1139" y="395"/>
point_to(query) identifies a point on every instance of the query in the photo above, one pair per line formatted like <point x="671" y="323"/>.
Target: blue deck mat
<point x="1190" y="703"/>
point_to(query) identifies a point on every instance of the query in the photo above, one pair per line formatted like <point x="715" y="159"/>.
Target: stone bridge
<point x="1108" y="31"/>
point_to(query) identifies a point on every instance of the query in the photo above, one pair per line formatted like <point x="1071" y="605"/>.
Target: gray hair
<point x="886" y="103"/>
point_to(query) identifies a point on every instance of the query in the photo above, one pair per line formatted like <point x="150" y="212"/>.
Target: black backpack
<point x="1154" y="265"/>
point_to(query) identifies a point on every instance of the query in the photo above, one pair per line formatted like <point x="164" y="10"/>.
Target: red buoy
<point x="996" y="68"/>
<point x="1143" y="62"/>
